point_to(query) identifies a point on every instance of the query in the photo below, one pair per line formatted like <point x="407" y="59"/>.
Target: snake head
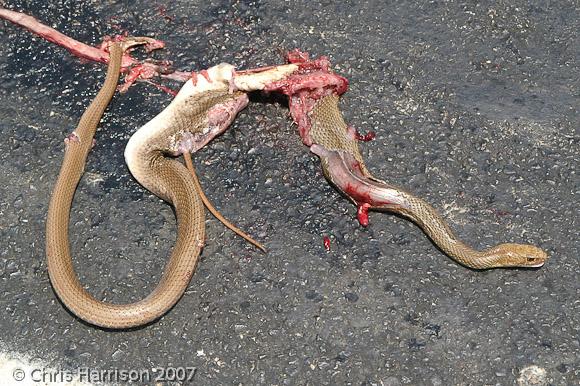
<point x="519" y="255"/>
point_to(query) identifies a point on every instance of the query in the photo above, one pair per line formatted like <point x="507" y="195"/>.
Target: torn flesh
<point x="219" y="118"/>
<point x="149" y="69"/>
<point x="345" y="173"/>
<point x="303" y="80"/>
<point x="311" y="81"/>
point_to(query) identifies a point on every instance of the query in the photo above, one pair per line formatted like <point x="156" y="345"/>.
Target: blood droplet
<point x="326" y="241"/>
<point x="362" y="213"/>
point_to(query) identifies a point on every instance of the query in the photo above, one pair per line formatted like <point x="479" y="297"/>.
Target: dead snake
<point x="204" y="107"/>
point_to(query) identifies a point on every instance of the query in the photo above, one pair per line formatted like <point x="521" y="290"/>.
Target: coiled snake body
<point x="204" y="108"/>
<point x="166" y="177"/>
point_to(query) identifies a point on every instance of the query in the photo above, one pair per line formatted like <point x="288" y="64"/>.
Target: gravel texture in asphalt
<point x="475" y="108"/>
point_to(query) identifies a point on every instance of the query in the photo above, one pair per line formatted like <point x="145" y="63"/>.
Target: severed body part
<point x="213" y="210"/>
<point x="314" y="91"/>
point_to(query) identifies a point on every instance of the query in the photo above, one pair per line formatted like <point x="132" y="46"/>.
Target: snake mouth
<point x="524" y="255"/>
<point x="535" y="262"/>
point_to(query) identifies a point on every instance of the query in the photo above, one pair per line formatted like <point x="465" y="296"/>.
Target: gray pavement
<point x="475" y="109"/>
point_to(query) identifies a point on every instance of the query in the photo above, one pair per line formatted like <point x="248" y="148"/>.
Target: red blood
<point x="86" y="52"/>
<point x="362" y="214"/>
<point x="366" y="137"/>
<point x="203" y="73"/>
<point x="357" y="168"/>
<point x="297" y="56"/>
<point x="163" y="88"/>
<point x="312" y="81"/>
<point x="356" y="194"/>
<point x="72" y="137"/>
<point x="134" y="74"/>
<point x="500" y="212"/>
<point x="326" y="241"/>
<point x="162" y="10"/>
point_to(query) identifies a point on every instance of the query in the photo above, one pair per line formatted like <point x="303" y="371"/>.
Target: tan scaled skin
<point x="204" y="107"/>
<point x="213" y="210"/>
<point x="166" y="177"/>
<point x="180" y="192"/>
<point x="343" y="166"/>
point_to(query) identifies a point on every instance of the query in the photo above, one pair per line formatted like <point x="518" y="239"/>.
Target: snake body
<point x="203" y="108"/>
<point x="343" y="166"/>
<point x="208" y="110"/>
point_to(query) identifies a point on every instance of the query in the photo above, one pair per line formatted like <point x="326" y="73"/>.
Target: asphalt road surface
<point x="475" y="108"/>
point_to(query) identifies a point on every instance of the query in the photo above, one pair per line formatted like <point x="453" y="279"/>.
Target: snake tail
<point x="216" y="213"/>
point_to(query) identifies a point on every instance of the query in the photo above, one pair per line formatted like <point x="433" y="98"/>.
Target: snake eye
<point x="531" y="259"/>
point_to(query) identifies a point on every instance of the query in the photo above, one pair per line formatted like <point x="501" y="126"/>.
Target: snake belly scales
<point x="200" y="111"/>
